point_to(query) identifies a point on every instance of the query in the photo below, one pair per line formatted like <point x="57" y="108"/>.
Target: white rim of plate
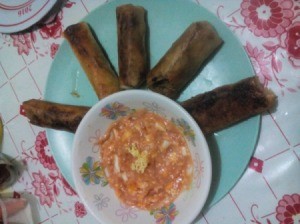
<point x="23" y="14"/>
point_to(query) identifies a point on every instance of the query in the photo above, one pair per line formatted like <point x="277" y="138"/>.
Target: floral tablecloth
<point x="269" y="190"/>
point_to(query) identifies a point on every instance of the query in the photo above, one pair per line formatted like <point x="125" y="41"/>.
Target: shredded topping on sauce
<point x="141" y="162"/>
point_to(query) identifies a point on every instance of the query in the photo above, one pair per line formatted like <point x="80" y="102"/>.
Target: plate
<point x="231" y="148"/>
<point x="18" y="15"/>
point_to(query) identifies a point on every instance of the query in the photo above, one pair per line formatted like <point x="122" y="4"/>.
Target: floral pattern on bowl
<point x="92" y="172"/>
<point x="165" y="215"/>
<point x="89" y="176"/>
<point x="115" y="110"/>
<point x="186" y="129"/>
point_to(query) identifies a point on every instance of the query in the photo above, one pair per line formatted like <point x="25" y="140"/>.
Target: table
<point x="269" y="190"/>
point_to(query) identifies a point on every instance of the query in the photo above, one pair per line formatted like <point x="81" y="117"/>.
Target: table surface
<point x="269" y="190"/>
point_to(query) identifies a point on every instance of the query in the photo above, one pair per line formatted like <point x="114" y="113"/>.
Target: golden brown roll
<point x="54" y="115"/>
<point x="132" y="48"/>
<point x="213" y="110"/>
<point x="92" y="59"/>
<point x="228" y="104"/>
<point x="183" y="59"/>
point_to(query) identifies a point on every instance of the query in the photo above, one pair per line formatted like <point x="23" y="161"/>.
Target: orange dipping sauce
<point x="146" y="159"/>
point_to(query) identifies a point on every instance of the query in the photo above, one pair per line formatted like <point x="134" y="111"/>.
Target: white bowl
<point x="99" y="198"/>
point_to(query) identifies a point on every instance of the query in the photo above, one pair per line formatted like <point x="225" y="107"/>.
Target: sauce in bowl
<point x="146" y="159"/>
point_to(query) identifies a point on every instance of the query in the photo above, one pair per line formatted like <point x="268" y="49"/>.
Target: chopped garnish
<point x="160" y="127"/>
<point x="141" y="162"/>
<point x="124" y="176"/>
<point x="133" y="150"/>
<point x="116" y="164"/>
<point x="165" y="144"/>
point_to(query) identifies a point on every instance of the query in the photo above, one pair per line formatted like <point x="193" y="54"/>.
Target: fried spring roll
<point x="92" y="59"/>
<point x="213" y="110"/>
<point x="54" y="115"/>
<point x="226" y="105"/>
<point x="132" y="49"/>
<point x="184" y="58"/>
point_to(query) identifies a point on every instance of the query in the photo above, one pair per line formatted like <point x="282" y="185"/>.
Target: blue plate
<point x="231" y="148"/>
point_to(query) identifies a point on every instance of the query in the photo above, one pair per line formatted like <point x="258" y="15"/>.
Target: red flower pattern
<point x="22" y="42"/>
<point x="69" y="4"/>
<point x="53" y="49"/>
<point x="293" y="41"/>
<point x="256" y="164"/>
<point x="288" y="209"/>
<point x="43" y="189"/>
<point x="67" y="188"/>
<point x="54" y="29"/>
<point x="80" y="209"/>
<point x="259" y="63"/>
<point x="267" y="18"/>
<point x="43" y="151"/>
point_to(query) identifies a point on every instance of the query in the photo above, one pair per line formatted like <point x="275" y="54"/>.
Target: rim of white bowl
<point x="104" y="101"/>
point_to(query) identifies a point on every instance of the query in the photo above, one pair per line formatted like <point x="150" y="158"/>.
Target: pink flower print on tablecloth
<point x="256" y="164"/>
<point x="22" y="42"/>
<point x="288" y="209"/>
<point x="54" y="29"/>
<point x="67" y="188"/>
<point x="53" y="49"/>
<point x="43" y="151"/>
<point x="292" y="42"/>
<point x="43" y="189"/>
<point x="80" y="210"/>
<point x="69" y="4"/>
<point x="267" y="18"/>
<point x="259" y="63"/>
